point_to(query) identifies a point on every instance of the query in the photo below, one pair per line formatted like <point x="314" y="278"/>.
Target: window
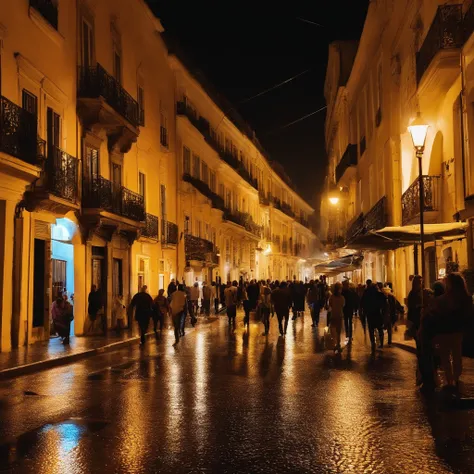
<point x="163" y="201"/>
<point x="212" y="181"/>
<point x="204" y="173"/>
<point x="163" y="129"/>
<point x="206" y="231"/>
<point x="87" y="44"/>
<point x="228" y="145"/>
<point x="141" y="104"/>
<point x="186" y="160"/>
<point x="30" y="102"/>
<point x="196" y="166"/>
<point x="48" y="10"/>
<point x="142" y="185"/>
<point x="141" y="273"/>
<point x="221" y="190"/>
<point x="198" y="229"/>
<point x="228" y="199"/>
<point x="187" y="224"/>
<point x="53" y="128"/>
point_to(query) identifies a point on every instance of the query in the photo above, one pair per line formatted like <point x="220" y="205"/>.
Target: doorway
<point x="99" y="273"/>
<point x="40" y="307"/>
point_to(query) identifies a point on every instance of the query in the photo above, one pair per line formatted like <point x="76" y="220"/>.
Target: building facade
<point x="413" y="57"/>
<point x="107" y="179"/>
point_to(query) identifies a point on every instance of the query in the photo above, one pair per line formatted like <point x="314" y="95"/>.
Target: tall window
<point x="142" y="185"/>
<point x="30" y="102"/>
<point x="212" y="181"/>
<point x="228" y="199"/>
<point x="221" y="190"/>
<point x="117" y="58"/>
<point x="186" y="160"/>
<point x="87" y="44"/>
<point x="198" y="229"/>
<point x="163" y="129"/>
<point x="187" y="224"/>
<point x="196" y="166"/>
<point x="205" y="173"/>
<point x="228" y="145"/>
<point x="54" y="128"/>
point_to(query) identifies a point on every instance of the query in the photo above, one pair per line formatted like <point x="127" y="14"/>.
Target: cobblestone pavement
<point x="233" y="402"/>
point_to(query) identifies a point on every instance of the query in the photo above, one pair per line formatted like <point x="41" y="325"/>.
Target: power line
<point x="309" y="21"/>
<point x="298" y="120"/>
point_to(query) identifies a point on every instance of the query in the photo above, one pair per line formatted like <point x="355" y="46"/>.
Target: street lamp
<point x="418" y="130"/>
<point x="334" y="200"/>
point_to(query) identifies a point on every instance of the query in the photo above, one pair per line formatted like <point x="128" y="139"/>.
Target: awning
<point x="390" y="238"/>
<point x="340" y="265"/>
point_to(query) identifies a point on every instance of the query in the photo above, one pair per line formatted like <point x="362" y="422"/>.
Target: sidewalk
<point x="48" y="354"/>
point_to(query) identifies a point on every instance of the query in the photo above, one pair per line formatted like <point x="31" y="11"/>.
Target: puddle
<point x="64" y="436"/>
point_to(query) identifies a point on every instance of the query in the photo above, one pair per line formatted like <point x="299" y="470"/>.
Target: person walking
<point x="394" y="308"/>
<point x="265" y="306"/>
<point x="172" y="287"/>
<point x="337" y="303"/>
<point x="350" y="306"/>
<point x="253" y="294"/>
<point x="231" y="299"/>
<point x="61" y="321"/>
<point x="160" y="310"/>
<point x="245" y="304"/>
<point x="281" y="300"/>
<point x="214" y="297"/>
<point x="373" y="304"/>
<point x="206" y="298"/>
<point x="313" y="302"/>
<point x="142" y="303"/>
<point x="178" y="308"/>
<point x="94" y="305"/>
<point x="194" y="297"/>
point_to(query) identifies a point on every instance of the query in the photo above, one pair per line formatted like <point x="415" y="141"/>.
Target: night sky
<point x="244" y="48"/>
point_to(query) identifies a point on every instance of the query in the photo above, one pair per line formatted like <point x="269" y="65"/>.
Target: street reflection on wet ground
<point x="233" y="402"/>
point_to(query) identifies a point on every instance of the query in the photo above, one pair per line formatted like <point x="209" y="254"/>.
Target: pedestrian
<point x="194" y="297"/>
<point x="281" y="300"/>
<point x="206" y="298"/>
<point x="120" y="312"/>
<point x="313" y="302"/>
<point x="360" y="293"/>
<point x="231" y="299"/>
<point x="394" y="308"/>
<point x="142" y="303"/>
<point x="160" y="310"/>
<point x="253" y="293"/>
<point x="245" y="305"/>
<point x="337" y="303"/>
<point x="171" y="288"/>
<point x="374" y="305"/>
<point x="264" y="306"/>
<point x="94" y="305"/>
<point x="214" y="297"/>
<point x="61" y="321"/>
<point x="178" y="308"/>
<point x="349" y="308"/>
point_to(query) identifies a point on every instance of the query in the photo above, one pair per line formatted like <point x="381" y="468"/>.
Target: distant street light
<point x="334" y="200"/>
<point x="418" y="130"/>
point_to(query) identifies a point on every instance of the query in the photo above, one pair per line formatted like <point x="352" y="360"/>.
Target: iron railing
<point x="200" y="249"/>
<point x="264" y="198"/>
<point x="203" y="188"/>
<point x="18" y="132"/>
<point x="151" y="229"/>
<point x="244" y="220"/>
<point x="62" y="174"/>
<point x="446" y="32"/>
<point x="169" y="233"/>
<point x="376" y="218"/>
<point x="48" y="10"/>
<point x="349" y="158"/>
<point x="355" y="229"/>
<point x="276" y="242"/>
<point x="411" y="198"/>
<point x="100" y="193"/>
<point x="95" y="82"/>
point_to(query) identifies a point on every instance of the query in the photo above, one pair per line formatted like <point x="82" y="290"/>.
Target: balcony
<point x="200" y="250"/>
<point x="103" y="102"/>
<point x="102" y="194"/>
<point x="56" y="190"/>
<point x="347" y="165"/>
<point x="264" y="198"/>
<point x="244" y="220"/>
<point x="276" y="243"/>
<point x="151" y="229"/>
<point x="411" y="201"/>
<point x="355" y="229"/>
<point x="18" y="135"/>
<point x="204" y="189"/>
<point x="202" y="125"/>
<point x="376" y="218"/>
<point x="437" y="61"/>
<point x="284" y="247"/>
<point x="169" y="233"/>
<point x="48" y="10"/>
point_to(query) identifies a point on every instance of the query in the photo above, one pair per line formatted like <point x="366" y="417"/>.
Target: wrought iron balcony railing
<point x="349" y="158"/>
<point x="61" y="174"/>
<point x="446" y="32"/>
<point x="355" y="229"/>
<point x="376" y="218"/>
<point x="100" y="193"/>
<point x="200" y="249"/>
<point x="203" y="188"/>
<point x="244" y="220"/>
<point x="18" y="135"/>
<point x="95" y="82"/>
<point x="151" y="229"/>
<point x="48" y="10"/>
<point x="169" y="233"/>
<point x="264" y="198"/>
<point x="411" y="198"/>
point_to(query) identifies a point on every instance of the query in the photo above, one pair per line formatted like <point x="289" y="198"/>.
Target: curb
<point x="66" y="359"/>
<point x="404" y="347"/>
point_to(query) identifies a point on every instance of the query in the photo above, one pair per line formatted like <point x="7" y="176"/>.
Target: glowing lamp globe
<point x="418" y="130"/>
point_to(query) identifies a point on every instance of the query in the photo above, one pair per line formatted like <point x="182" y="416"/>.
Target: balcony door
<point x="53" y="122"/>
<point x="87" y="44"/>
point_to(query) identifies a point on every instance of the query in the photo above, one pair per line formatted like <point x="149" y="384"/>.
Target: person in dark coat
<point x="171" y="288"/>
<point x="349" y="307"/>
<point x="253" y="294"/>
<point x="94" y="304"/>
<point x="373" y="304"/>
<point x="313" y="302"/>
<point x="281" y="300"/>
<point x="142" y="302"/>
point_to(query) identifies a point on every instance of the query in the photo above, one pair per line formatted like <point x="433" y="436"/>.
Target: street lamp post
<point x="418" y="130"/>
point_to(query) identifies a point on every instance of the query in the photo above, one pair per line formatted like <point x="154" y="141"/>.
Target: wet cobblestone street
<point x="233" y="402"/>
